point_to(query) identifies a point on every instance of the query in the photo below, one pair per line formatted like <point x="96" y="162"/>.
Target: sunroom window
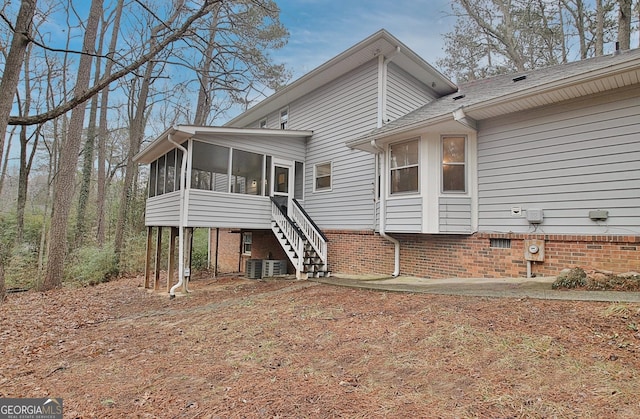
<point x="404" y="167"/>
<point x="246" y="172"/>
<point x="454" y="164"/>
<point x="210" y="167"/>
<point x="170" y="181"/>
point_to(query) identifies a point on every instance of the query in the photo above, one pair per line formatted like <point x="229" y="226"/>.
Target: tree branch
<point x="89" y="93"/>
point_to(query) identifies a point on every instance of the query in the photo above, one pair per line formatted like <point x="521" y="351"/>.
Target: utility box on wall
<point x="534" y="250"/>
<point x="535" y="215"/>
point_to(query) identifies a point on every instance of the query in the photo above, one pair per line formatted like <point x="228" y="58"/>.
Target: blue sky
<point x="321" y="29"/>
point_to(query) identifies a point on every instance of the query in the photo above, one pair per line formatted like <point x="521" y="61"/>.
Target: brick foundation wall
<point x="228" y="249"/>
<point x="442" y="256"/>
<point x="264" y="246"/>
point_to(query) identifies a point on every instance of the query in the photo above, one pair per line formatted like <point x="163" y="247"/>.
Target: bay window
<point x="404" y="167"/>
<point x="454" y="159"/>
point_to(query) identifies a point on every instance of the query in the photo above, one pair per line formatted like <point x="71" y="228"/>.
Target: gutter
<point x="183" y="212"/>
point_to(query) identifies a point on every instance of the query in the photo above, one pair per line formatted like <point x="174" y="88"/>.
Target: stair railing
<point x="310" y="230"/>
<point x="293" y="235"/>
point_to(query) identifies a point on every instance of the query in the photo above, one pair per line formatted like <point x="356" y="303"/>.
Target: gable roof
<point x="500" y="95"/>
<point x="380" y="43"/>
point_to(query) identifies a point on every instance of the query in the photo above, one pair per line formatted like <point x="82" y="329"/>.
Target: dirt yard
<point x="237" y="348"/>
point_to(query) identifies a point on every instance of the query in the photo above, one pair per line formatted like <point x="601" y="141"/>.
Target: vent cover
<point x="500" y="243"/>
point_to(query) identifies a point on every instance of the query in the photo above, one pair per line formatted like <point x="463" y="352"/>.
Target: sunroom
<point x="229" y="175"/>
<point x="220" y="177"/>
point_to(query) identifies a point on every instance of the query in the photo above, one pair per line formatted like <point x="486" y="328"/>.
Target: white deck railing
<point x="292" y="235"/>
<point x="314" y="236"/>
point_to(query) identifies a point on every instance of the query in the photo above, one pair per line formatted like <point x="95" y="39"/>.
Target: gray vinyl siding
<point x="455" y="214"/>
<point x="228" y="210"/>
<point x="404" y="215"/>
<point x="404" y="93"/>
<point x="163" y="210"/>
<point x="565" y="160"/>
<point x="342" y="110"/>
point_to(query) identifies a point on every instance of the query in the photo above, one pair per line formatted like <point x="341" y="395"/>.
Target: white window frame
<point x="465" y="163"/>
<point x="315" y="177"/>
<point x="247" y="235"/>
<point x="263" y="123"/>
<point x="390" y="169"/>
<point x="284" y="118"/>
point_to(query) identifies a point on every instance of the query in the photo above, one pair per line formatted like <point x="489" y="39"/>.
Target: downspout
<point x="383" y="211"/>
<point x="382" y="108"/>
<point x="183" y="212"/>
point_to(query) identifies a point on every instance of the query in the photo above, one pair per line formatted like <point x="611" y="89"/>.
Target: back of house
<point x="376" y="163"/>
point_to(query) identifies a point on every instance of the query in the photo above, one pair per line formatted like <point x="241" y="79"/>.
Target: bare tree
<point x="139" y="111"/>
<point x="9" y="83"/>
<point x="498" y="36"/>
<point x="65" y="178"/>
<point x="103" y="130"/>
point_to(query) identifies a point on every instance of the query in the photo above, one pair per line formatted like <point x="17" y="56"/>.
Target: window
<point x="263" y="123"/>
<point x="247" y="238"/>
<point x="246" y="172"/>
<point x="284" y="118"/>
<point x="404" y="167"/>
<point x="299" y="180"/>
<point x="210" y="167"/>
<point x="322" y="174"/>
<point x="171" y="171"/>
<point x="454" y="164"/>
<point x="152" y="178"/>
<point x="161" y="175"/>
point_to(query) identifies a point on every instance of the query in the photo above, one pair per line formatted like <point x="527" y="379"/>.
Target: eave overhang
<point x="180" y="133"/>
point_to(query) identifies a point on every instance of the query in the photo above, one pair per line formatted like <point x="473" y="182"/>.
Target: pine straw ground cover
<point x="237" y="348"/>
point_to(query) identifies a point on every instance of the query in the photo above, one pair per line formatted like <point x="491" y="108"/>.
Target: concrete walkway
<point x="480" y="287"/>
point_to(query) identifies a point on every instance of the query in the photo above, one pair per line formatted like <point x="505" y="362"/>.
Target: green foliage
<point x="133" y="257"/>
<point x="572" y="278"/>
<point x="199" y="256"/>
<point x="21" y="268"/>
<point x="91" y="265"/>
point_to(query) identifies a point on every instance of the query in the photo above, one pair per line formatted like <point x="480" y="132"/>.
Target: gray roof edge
<point x="623" y="61"/>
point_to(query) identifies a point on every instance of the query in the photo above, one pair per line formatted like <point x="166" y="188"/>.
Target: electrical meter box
<point x="534" y="250"/>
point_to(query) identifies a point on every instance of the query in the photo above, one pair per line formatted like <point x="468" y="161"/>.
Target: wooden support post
<point x="172" y="257"/>
<point x="158" y="257"/>
<point x="147" y="262"/>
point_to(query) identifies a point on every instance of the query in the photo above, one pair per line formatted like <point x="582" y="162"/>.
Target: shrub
<point x="91" y="265"/>
<point x="570" y="278"/>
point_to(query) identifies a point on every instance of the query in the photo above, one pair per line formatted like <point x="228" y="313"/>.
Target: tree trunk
<point x="103" y="131"/>
<point x="10" y="79"/>
<point x="65" y="178"/>
<point x="599" y="28"/>
<point x="203" y="105"/>
<point x="13" y="64"/>
<point x="624" y="24"/>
